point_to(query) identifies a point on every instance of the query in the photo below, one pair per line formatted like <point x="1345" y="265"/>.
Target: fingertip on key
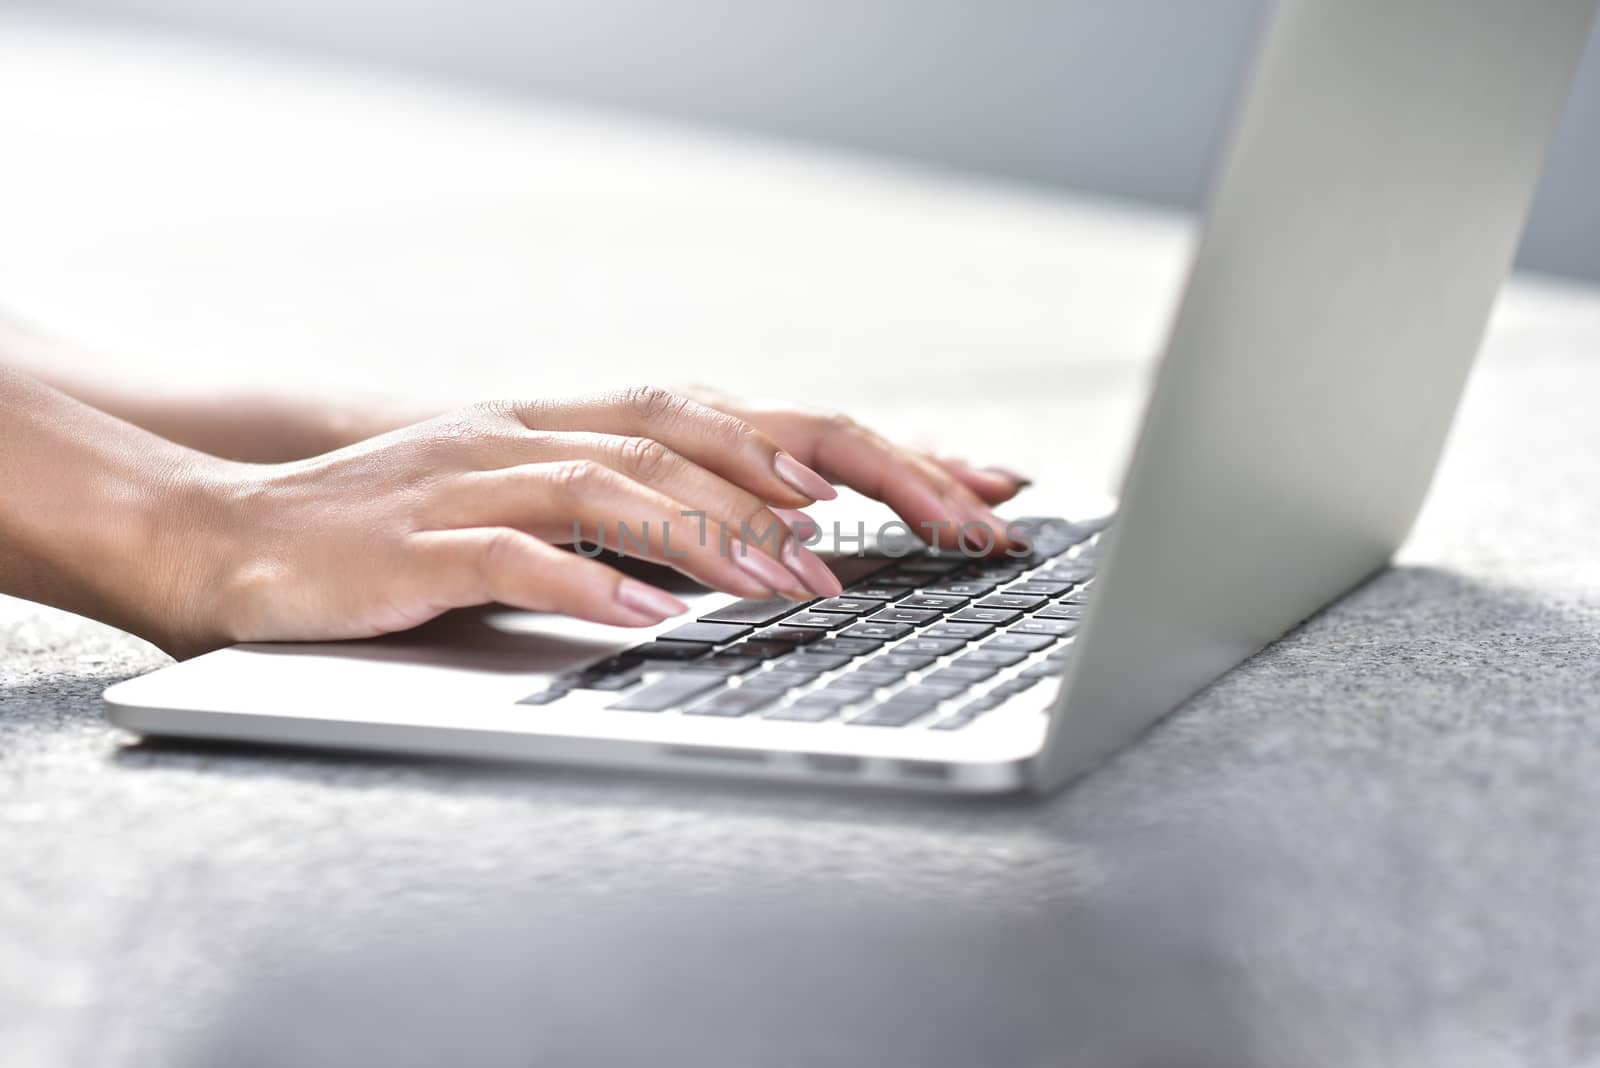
<point x="810" y="569"/>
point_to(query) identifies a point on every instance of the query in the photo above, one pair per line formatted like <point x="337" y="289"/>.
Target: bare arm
<point x="161" y="529"/>
<point x="92" y="513"/>
<point x="252" y="426"/>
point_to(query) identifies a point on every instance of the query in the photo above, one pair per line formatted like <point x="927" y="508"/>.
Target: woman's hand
<point x="936" y="496"/>
<point x="192" y="551"/>
<point x="469" y="508"/>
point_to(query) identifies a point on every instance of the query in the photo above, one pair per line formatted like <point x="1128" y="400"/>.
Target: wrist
<point x="184" y="552"/>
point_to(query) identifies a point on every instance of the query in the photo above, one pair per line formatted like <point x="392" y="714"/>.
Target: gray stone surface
<point x="1376" y="843"/>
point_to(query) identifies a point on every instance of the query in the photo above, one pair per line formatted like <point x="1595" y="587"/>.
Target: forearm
<point x="254" y="427"/>
<point x="97" y="516"/>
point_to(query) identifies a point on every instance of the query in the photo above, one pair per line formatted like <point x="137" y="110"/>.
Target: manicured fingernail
<point x="763" y="568"/>
<point x="647" y="600"/>
<point x="802" y="479"/>
<point x="810" y="569"/>
<point x="803" y="526"/>
<point x="1007" y="473"/>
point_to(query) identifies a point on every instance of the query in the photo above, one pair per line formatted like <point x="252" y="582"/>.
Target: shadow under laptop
<point x="1338" y="854"/>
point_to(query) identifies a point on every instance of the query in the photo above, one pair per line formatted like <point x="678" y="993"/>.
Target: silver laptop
<point x="1366" y="210"/>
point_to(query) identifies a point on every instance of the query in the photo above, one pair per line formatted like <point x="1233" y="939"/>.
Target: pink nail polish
<point x="647" y="600"/>
<point x="761" y="567"/>
<point x="810" y="569"/>
<point x="802" y="479"/>
<point x="1007" y="473"/>
<point x="804" y="527"/>
<point x="987" y="518"/>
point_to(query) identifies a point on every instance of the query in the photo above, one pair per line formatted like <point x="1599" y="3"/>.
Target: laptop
<point x="1367" y="207"/>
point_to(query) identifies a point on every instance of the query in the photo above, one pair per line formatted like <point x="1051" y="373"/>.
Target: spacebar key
<point x="670" y="692"/>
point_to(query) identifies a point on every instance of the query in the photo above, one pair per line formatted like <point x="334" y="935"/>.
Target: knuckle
<point x="492" y="412"/>
<point x="573" y="478"/>
<point x="499" y="549"/>
<point x="652" y="402"/>
<point x="839" y="423"/>
<point x="645" y="458"/>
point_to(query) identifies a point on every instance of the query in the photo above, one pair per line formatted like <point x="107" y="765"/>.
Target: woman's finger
<point x="459" y="568"/>
<point x="588" y="502"/>
<point x="719" y="442"/>
<point x="930" y="499"/>
<point x="995" y="485"/>
<point x="725" y="506"/>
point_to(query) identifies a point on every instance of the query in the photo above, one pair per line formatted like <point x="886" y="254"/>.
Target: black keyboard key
<point x="608" y="681"/>
<point x="916" y="617"/>
<point x="668" y="651"/>
<point x="835" y="699"/>
<point x="754" y="613"/>
<point x="874" y="675"/>
<point x="755" y="649"/>
<point x="1012" y="687"/>
<point x="848" y="644"/>
<point x="905" y="661"/>
<point x="806" y="660"/>
<point x="1075" y="597"/>
<point x="962" y="676"/>
<point x="936" y="644"/>
<point x="878" y="632"/>
<point x="1000" y="568"/>
<point x="893" y="713"/>
<point x="1027" y="643"/>
<point x="930" y="565"/>
<point x="802" y="713"/>
<point x="994" y="617"/>
<point x="929" y="694"/>
<point x="740" y="702"/>
<point x="1037" y="587"/>
<point x="790" y="635"/>
<point x="964" y="631"/>
<point x="1057" y="627"/>
<point x="1068" y="571"/>
<point x="598" y="676"/>
<point x="819" y="620"/>
<point x="876" y="592"/>
<point x="904" y="582"/>
<point x="1060" y="611"/>
<point x="849" y="606"/>
<point x="708" y="633"/>
<point x="968" y="712"/>
<point x="724" y="666"/>
<point x="671" y="691"/>
<point x="984" y="654"/>
<point x="933" y="602"/>
<point x="945" y="689"/>
<point x="1012" y="601"/>
<point x="791" y="674"/>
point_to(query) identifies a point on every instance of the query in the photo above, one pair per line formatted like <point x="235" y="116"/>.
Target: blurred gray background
<point x="1123" y="98"/>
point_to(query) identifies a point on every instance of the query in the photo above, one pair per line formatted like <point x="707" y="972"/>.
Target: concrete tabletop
<point x="1377" y="842"/>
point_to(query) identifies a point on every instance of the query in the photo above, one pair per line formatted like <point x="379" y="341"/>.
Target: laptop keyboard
<point x="933" y="640"/>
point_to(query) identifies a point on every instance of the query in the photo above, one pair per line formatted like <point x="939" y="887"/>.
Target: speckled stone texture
<point x="1376" y="843"/>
